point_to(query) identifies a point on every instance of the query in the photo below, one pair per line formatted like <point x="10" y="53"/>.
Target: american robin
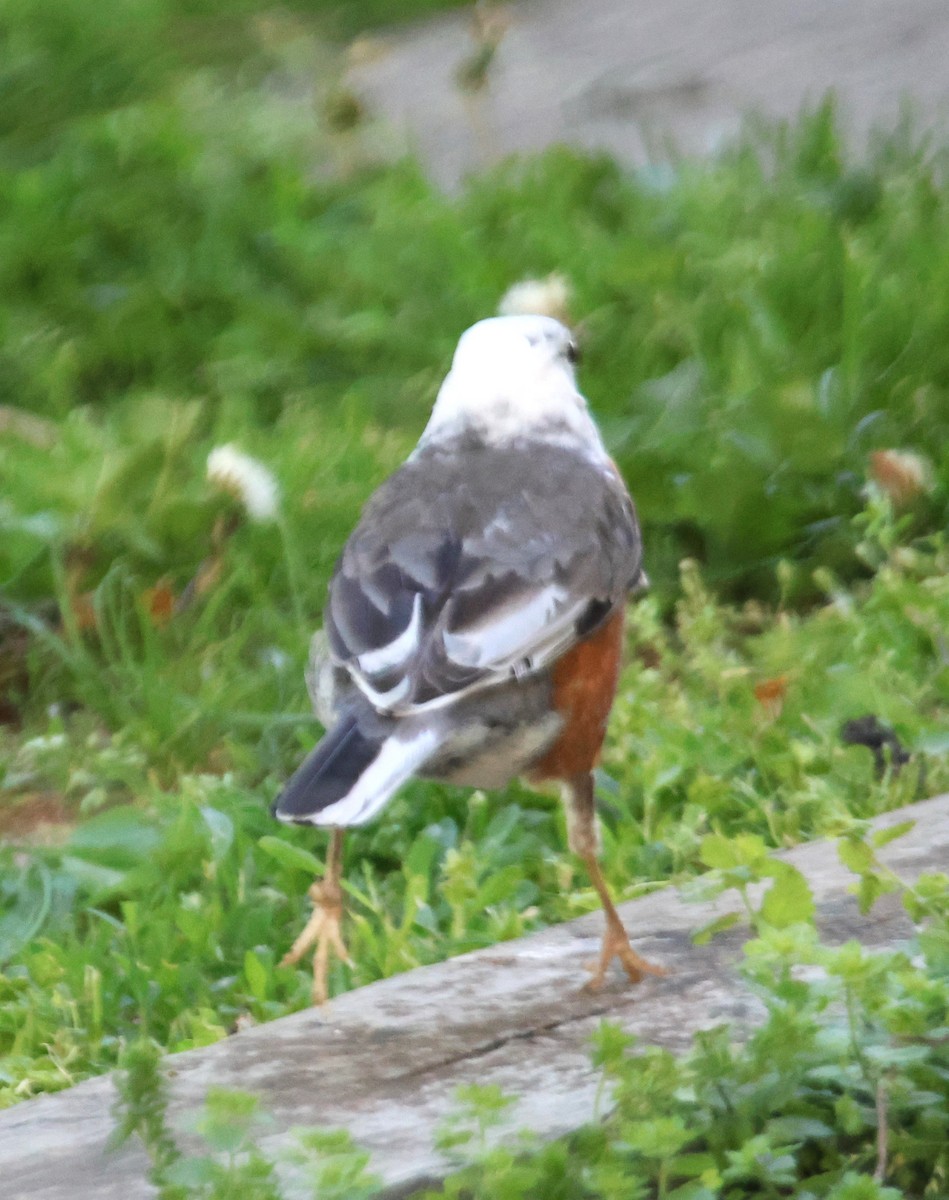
<point x="474" y="625"/>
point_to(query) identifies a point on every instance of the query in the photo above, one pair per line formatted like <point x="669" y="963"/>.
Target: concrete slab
<point x="632" y="76"/>
<point x="384" y="1061"/>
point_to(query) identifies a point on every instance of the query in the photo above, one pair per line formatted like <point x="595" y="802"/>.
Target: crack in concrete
<point x="519" y="1035"/>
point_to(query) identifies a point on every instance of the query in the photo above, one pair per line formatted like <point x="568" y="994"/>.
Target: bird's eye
<point x="573" y="352"/>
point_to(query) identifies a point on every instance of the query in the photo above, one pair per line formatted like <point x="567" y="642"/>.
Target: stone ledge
<point x="384" y="1061"/>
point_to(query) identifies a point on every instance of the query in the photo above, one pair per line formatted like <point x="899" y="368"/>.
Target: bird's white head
<point x="514" y="377"/>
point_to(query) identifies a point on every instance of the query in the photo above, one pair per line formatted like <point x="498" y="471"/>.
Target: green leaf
<point x="897" y="1056"/>
<point x="871" y="887"/>
<point x="295" y="858"/>
<point x="195" y="1174"/>
<point x="256" y="975"/>
<point x="227" y="1119"/>
<point x="934" y="743"/>
<point x="421" y="856"/>
<point x="25" y="918"/>
<point x="797" y="1129"/>
<point x="855" y="855"/>
<point x="850" y="1116"/>
<point x="863" y="1187"/>
<point x="882" y="837"/>
<point x="789" y="900"/>
<point x="692" y="1164"/>
<point x="220" y="830"/>
<point x="99" y="882"/>
<point x="717" y="852"/>
<point x="726" y="853"/>
<point x="483" y="1102"/>
<point x="660" y="1137"/>
<point x="611" y="1045"/>
<point x="120" y="838"/>
<point x="705" y="933"/>
<point x="693" y="1190"/>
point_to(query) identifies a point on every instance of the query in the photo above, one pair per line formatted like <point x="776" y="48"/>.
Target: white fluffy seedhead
<point x="246" y="479"/>
<point x="548" y="297"/>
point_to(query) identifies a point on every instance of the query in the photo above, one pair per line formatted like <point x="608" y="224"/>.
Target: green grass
<point x="749" y="342"/>
<point x="61" y="64"/>
<point x="168" y="907"/>
<point x="189" y="258"/>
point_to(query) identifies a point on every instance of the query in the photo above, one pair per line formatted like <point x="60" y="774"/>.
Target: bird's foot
<point x="321" y="931"/>
<point x="616" y="945"/>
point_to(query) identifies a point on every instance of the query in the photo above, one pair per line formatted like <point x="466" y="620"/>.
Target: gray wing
<point x="475" y="563"/>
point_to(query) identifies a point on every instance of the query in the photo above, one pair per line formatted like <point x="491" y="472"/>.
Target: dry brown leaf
<point x="770" y="694"/>
<point x="159" y="603"/>
<point x="901" y="474"/>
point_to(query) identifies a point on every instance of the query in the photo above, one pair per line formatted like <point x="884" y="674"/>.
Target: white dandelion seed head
<point x="246" y="479"/>
<point x="548" y="297"/>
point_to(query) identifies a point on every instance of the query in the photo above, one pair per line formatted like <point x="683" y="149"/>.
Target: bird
<point x="474" y="624"/>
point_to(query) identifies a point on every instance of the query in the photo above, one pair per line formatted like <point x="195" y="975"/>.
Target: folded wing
<point x="476" y="563"/>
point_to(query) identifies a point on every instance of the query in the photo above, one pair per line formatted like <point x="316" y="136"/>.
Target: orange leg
<point x="322" y="930"/>
<point x="582" y="835"/>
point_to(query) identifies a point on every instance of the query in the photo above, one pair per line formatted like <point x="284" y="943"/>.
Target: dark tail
<point x="328" y="773"/>
<point x="351" y="774"/>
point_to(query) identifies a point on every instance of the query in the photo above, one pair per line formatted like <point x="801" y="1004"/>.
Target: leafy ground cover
<point x="194" y="253"/>
<point x="839" y="1094"/>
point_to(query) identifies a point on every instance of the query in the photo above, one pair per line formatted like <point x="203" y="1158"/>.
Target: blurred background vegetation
<point x="190" y="247"/>
<point x="205" y="240"/>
